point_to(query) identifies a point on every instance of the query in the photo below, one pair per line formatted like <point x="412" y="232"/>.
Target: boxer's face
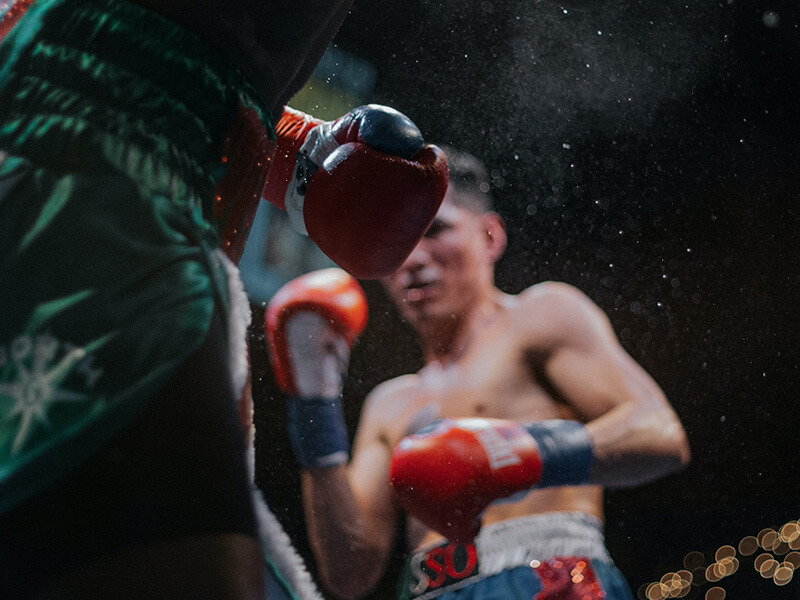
<point x="450" y="268"/>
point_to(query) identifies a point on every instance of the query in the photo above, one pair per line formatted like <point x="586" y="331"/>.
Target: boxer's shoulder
<point x="390" y="406"/>
<point x="554" y="311"/>
<point x="550" y="293"/>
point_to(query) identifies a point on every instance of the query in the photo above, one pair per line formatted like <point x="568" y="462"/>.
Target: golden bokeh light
<point x="760" y="560"/>
<point x="715" y="593"/>
<point x="780" y="548"/>
<point x="687" y="575"/>
<point x="731" y="565"/>
<point x="768" y="538"/>
<point x="725" y="552"/>
<point x="790" y="532"/>
<point x="793" y="558"/>
<point x="656" y="591"/>
<point x="712" y="573"/>
<point x="748" y="545"/>
<point x="783" y="574"/>
<point x="768" y="568"/>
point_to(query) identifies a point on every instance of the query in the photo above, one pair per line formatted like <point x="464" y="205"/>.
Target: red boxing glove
<point x="311" y="323"/>
<point x="330" y="293"/>
<point x="448" y="473"/>
<point x="364" y="188"/>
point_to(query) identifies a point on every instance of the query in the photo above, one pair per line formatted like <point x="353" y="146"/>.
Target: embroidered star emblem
<point x="36" y="390"/>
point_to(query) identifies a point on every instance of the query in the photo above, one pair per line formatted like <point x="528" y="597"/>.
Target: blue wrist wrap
<point x="317" y="431"/>
<point x="565" y="450"/>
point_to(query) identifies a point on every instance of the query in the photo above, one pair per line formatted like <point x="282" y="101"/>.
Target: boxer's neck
<point x="447" y="340"/>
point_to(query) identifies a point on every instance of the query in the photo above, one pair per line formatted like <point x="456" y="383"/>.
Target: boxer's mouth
<point x="418" y="291"/>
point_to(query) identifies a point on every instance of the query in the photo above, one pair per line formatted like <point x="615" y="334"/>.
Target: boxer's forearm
<point x="349" y="558"/>
<point x="637" y="443"/>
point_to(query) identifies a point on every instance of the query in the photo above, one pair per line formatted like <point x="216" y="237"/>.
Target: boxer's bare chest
<point x="495" y="375"/>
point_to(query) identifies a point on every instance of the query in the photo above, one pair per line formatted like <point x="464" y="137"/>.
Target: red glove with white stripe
<point x="330" y="293"/>
<point x="364" y="188"/>
<point x="448" y="473"/>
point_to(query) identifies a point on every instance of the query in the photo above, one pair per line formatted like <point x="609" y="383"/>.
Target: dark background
<point x="646" y="152"/>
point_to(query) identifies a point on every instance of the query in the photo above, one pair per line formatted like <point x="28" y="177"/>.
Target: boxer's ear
<point x="496" y="238"/>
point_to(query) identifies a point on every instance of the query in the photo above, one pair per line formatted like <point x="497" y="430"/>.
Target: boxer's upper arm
<point x="582" y="358"/>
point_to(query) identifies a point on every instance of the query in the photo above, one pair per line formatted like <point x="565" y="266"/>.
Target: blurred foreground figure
<point x="498" y="448"/>
<point x="136" y="140"/>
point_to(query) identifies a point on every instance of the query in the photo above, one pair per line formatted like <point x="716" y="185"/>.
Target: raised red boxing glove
<point x="331" y="293"/>
<point x="448" y="473"/>
<point x="310" y="324"/>
<point x="364" y="188"/>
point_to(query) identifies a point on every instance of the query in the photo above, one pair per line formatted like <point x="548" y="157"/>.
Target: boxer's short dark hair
<point x="470" y="178"/>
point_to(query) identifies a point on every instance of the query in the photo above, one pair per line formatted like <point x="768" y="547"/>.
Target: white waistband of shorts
<point x="540" y="537"/>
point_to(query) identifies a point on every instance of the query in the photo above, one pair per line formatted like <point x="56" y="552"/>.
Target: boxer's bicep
<point x="594" y="374"/>
<point x="577" y="351"/>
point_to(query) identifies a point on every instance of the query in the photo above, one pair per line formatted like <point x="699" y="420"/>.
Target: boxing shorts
<point x="548" y="556"/>
<point x="112" y="121"/>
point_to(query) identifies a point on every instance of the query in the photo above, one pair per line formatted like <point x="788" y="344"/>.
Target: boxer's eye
<point x="436" y="228"/>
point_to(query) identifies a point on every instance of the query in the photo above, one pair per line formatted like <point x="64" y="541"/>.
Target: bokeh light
<point x="715" y="593"/>
<point x="748" y="545"/>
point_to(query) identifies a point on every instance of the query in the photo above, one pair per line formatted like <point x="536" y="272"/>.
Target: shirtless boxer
<point x="136" y="138"/>
<point x="531" y="405"/>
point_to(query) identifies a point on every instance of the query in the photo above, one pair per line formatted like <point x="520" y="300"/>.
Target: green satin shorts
<point x="111" y="124"/>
